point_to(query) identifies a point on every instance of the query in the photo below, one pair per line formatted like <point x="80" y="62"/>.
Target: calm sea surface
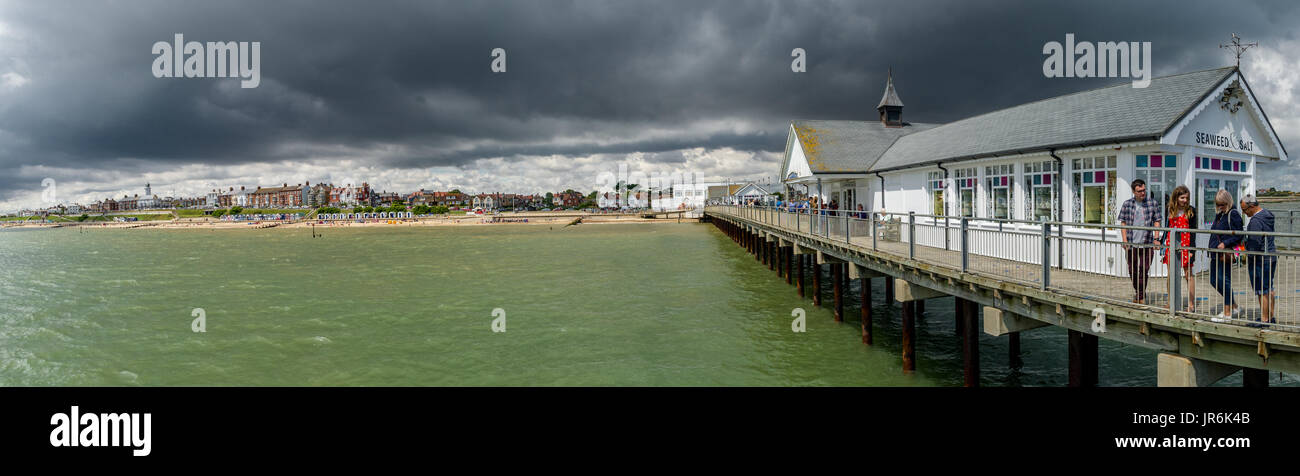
<point x="633" y="304"/>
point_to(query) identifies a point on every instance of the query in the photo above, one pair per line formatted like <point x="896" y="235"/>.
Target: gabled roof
<point x="737" y="189"/>
<point x="1113" y="114"/>
<point x="848" y="146"/>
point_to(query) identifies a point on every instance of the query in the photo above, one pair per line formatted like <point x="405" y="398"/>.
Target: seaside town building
<point x="567" y="199"/>
<point x="484" y="201"/>
<point x="1069" y="159"/>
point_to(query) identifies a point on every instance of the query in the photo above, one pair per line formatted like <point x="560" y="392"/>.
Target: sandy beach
<point x="522" y="218"/>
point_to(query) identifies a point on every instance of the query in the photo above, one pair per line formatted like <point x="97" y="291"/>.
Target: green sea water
<point x="605" y="305"/>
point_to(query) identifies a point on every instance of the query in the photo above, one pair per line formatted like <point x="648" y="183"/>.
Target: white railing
<point x="1086" y="259"/>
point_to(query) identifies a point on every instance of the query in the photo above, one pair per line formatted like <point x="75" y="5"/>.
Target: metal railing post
<point x="1047" y="255"/>
<point x="846" y="227"/>
<point x="825" y="223"/>
<point x="965" y="244"/>
<point x="911" y="235"/>
<point x="874" y="232"/>
<point x="946" y="238"/>
<point x="1171" y="270"/>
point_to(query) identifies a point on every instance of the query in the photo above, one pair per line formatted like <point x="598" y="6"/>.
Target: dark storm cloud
<point x="584" y="77"/>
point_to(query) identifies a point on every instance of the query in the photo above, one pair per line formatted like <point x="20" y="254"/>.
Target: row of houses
<point x="308" y="195"/>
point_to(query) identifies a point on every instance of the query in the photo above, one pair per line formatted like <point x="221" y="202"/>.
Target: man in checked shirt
<point x="1139" y="211"/>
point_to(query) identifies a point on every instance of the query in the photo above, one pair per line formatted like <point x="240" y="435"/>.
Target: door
<point x="1207" y="186"/>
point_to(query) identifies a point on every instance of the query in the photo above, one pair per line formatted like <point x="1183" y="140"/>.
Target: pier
<point x="1043" y="274"/>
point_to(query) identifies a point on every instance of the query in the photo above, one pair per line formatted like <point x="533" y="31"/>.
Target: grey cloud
<point x="407" y="84"/>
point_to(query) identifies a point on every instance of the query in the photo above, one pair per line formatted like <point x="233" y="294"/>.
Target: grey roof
<point x="847" y="146"/>
<point x="891" y="97"/>
<point x="1105" y="115"/>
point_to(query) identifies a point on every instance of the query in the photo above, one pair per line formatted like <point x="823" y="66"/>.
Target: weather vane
<point x="1238" y="48"/>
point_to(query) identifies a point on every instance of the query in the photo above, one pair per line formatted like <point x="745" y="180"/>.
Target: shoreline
<point x="457" y="221"/>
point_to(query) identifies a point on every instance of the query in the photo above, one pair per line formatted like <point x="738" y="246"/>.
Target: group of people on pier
<point x="1261" y="269"/>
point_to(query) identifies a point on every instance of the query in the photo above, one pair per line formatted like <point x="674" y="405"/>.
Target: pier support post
<point x="837" y="289"/>
<point x="920" y="308"/>
<point x="866" y="310"/>
<point x="817" y="282"/>
<point x="789" y="267"/>
<point x="803" y="263"/>
<point x="1013" y="350"/>
<point x="958" y="304"/>
<point x="1083" y="359"/>
<point x="889" y="292"/>
<point x="1254" y="378"/>
<point x="769" y="254"/>
<point x="970" y="343"/>
<point x="909" y="337"/>
<point x="780" y="259"/>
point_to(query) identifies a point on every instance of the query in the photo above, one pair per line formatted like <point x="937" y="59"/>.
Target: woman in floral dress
<point x="1183" y="215"/>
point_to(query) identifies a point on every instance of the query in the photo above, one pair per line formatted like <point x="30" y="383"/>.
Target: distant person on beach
<point x="1139" y="211"/>
<point x="1260" y="268"/>
<point x="1226" y="218"/>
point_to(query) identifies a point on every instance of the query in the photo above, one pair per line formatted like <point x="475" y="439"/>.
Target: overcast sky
<point x="401" y="95"/>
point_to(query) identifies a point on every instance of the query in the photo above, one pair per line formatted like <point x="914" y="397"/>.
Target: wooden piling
<point x="1013" y="350"/>
<point x="958" y="323"/>
<point x="920" y="308"/>
<point x="866" y="310"/>
<point x="909" y="337"/>
<point x="770" y="249"/>
<point x="889" y="291"/>
<point x="789" y="267"/>
<point x="1254" y="378"/>
<point x="1083" y="359"/>
<point x="817" y="282"/>
<point x="780" y="260"/>
<point x="802" y="263"/>
<point x="970" y="344"/>
<point x="837" y="289"/>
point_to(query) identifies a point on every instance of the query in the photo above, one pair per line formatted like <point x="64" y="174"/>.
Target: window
<point x="1225" y="165"/>
<point x="935" y="181"/>
<point x="966" y="190"/>
<point x="1040" y="193"/>
<point x="1094" y="190"/>
<point x="1160" y="173"/>
<point x="999" y="183"/>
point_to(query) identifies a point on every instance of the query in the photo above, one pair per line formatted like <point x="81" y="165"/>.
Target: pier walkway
<point x="997" y="266"/>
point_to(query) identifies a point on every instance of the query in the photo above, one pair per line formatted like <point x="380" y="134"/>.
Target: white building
<point x="1068" y="159"/>
<point x="240" y="198"/>
<point x="484" y="201"/>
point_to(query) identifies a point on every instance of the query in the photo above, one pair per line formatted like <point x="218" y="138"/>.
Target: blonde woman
<point x="1226" y="218"/>
<point x="1183" y="215"/>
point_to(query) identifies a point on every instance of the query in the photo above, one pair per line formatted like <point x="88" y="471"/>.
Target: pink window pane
<point x="1004" y="181"/>
<point x="1157" y="161"/>
<point x="1047" y="179"/>
<point x="1099" y="177"/>
<point x="1214" y="164"/>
